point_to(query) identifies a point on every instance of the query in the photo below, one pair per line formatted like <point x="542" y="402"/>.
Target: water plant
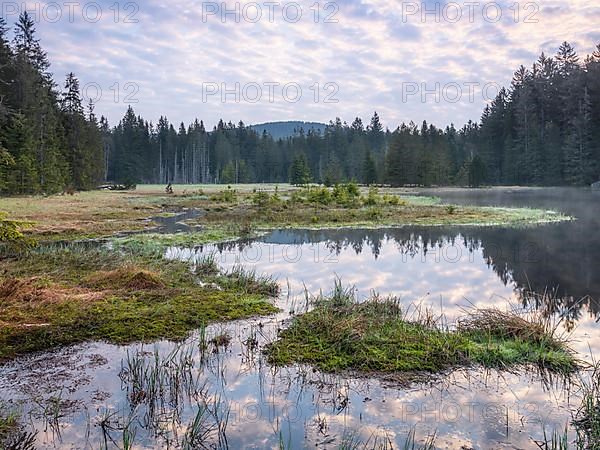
<point x="249" y="282"/>
<point x="379" y="336"/>
<point x="587" y="418"/>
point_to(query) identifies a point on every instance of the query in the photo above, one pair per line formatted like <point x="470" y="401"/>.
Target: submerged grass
<point x="154" y="244"/>
<point x="378" y="336"/>
<point x="73" y="294"/>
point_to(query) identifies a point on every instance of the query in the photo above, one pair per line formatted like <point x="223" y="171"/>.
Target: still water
<point x="85" y="396"/>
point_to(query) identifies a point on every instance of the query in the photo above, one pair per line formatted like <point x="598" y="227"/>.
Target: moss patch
<point x="375" y="337"/>
<point x="64" y="296"/>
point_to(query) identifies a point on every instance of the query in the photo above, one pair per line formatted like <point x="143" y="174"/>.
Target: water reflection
<point x="551" y="267"/>
<point x="103" y="390"/>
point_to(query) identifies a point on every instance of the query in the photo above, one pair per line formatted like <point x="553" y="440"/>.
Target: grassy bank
<point x="243" y="208"/>
<point x="376" y="336"/>
<point x="349" y="206"/>
<point x="52" y="297"/>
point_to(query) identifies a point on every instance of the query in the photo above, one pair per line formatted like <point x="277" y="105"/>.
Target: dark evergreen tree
<point x="299" y="171"/>
<point x="369" y="175"/>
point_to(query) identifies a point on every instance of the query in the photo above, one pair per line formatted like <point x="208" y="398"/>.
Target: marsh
<point x="446" y="269"/>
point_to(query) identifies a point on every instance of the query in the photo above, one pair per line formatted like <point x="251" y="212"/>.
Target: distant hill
<point x="282" y="130"/>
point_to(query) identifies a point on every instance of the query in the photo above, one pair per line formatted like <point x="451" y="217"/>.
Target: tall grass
<point x="161" y="383"/>
<point x="587" y="420"/>
<point x="249" y="282"/>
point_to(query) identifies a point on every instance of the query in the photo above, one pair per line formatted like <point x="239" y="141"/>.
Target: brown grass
<point x="509" y="325"/>
<point x="86" y="213"/>
<point x="37" y="291"/>
<point x="127" y="277"/>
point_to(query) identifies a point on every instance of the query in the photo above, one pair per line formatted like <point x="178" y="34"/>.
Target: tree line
<point x="48" y="141"/>
<point x="542" y="130"/>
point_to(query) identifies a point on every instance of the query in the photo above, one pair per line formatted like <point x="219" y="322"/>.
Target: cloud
<point x="166" y="52"/>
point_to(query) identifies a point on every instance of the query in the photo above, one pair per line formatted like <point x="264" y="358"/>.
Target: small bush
<point x="227" y="196"/>
<point x="297" y="197"/>
<point x="261" y="198"/>
<point x="373" y="198"/>
<point x="321" y="196"/>
<point x="11" y="234"/>
<point x="390" y="199"/>
<point x="346" y="194"/>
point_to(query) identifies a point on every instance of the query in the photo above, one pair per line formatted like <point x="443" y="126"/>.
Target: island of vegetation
<point x="381" y="337"/>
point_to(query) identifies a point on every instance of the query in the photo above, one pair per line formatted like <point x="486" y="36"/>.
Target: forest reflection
<point x="549" y="267"/>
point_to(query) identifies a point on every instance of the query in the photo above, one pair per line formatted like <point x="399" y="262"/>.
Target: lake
<point x="86" y="395"/>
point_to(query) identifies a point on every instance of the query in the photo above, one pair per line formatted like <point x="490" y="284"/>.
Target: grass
<point x="154" y="244"/>
<point x="13" y="435"/>
<point x="378" y="336"/>
<point x="73" y="294"/>
<point x="8" y="422"/>
<point x="320" y="207"/>
<point x="379" y="440"/>
<point x="106" y="213"/>
<point x="587" y="420"/>
<point x="85" y="214"/>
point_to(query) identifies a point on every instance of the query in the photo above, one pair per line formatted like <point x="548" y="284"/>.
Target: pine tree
<point x="369" y="173"/>
<point x="376" y="134"/>
<point x="476" y="171"/>
<point x="395" y="161"/>
<point x="21" y="170"/>
<point x="74" y="127"/>
<point x="36" y="100"/>
<point x="579" y="164"/>
<point x="299" y="171"/>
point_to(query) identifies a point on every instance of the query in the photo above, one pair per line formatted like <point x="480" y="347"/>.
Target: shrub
<point x="297" y="197"/>
<point x="352" y="189"/>
<point x="346" y="194"/>
<point x="11" y="234"/>
<point x="372" y="197"/>
<point x="227" y="196"/>
<point x="261" y="198"/>
<point x="390" y="199"/>
<point x="320" y="195"/>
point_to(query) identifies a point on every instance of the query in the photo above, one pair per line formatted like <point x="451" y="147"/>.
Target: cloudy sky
<point x="305" y="60"/>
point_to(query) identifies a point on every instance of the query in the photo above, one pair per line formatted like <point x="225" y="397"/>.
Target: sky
<point x="306" y="60"/>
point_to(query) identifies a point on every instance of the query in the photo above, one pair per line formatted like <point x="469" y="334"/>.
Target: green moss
<point x="154" y="244"/>
<point x="375" y="337"/>
<point x="99" y="295"/>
